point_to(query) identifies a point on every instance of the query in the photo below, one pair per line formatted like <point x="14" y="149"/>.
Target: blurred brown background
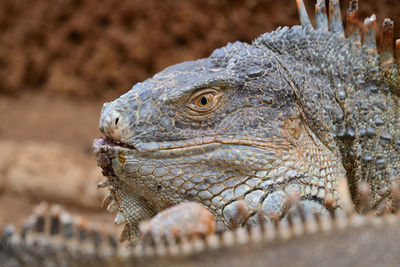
<point x="61" y="59"/>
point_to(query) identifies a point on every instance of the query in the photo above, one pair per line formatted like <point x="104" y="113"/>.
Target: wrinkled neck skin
<point x="274" y="134"/>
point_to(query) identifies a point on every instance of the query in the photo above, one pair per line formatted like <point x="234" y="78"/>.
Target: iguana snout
<point x="113" y="124"/>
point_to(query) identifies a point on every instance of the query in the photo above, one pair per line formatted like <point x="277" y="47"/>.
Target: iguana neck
<point x="345" y="100"/>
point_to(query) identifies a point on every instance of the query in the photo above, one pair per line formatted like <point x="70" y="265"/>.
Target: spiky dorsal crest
<point x="387" y="60"/>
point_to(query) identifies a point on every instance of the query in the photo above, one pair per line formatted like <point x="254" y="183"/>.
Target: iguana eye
<point x="204" y="100"/>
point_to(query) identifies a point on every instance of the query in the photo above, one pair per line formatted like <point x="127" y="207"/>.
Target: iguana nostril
<point x="116" y="121"/>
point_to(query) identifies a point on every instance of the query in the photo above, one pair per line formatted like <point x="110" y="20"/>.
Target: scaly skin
<point x="296" y="112"/>
<point x="293" y="114"/>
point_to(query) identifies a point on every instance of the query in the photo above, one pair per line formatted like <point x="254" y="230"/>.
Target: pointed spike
<point x="352" y="24"/>
<point x="304" y="19"/>
<point x="294" y="199"/>
<point x="213" y="241"/>
<point x="269" y="231"/>
<point x="321" y="19"/>
<point x="386" y="44"/>
<point x="145" y="231"/>
<point x="256" y="233"/>
<point x="112" y="241"/>
<point x="55" y="225"/>
<point x="369" y="39"/>
<point x="397" y="68"/>
<point x="125" y="234"/>
<point x="40" y="225"/>
<point x="325" y="221"/>
<point x="261" y="218"/>
<point x="242" y="235"/>
<point x="96" y="238"/>
<point x="9" y="235"/>
<point x="119" y="219"/>
<point x="395" y="192"/>
<point x="83" y="233"/>
<point x="300" y="211"/>
<point x="341" y="220"/>
<point x="297" y="224"/>
<point x="173" y="247"/>
<point x="228" y="238"/>
<point x="186" y="246"/>
<point x="126" y="252"/>
<point x="384" y="207"/>
<point x="148" y="251"/>
<point x="130" y="232"/>
<point x="335" y="18"/>
<point x="67" y="225"/>
<point x="29" y="226"/>
<point x="344" y="195"/>
<point x="103" y="184"/>
<point x="311" y="224"/>
<point x="40" y="209"/>
<point x="284" y="229"/>
<point x="365" y="195"/>
<point x="112" y="207"/>
<point x="106" y="200"/>
<point x="397" y="50"/>
<point x="330" y="202"/>
<point x="199" y="245"/>
<point x="160" y="249"/>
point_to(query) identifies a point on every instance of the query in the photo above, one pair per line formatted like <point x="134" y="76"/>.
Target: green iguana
<point x="271" y="133"/>
<point x="298" y="111"/>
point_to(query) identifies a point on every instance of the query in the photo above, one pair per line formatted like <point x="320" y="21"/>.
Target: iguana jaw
<point x="134" y="169"/>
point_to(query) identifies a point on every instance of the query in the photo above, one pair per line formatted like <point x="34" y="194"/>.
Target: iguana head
<point x="216" y="130"/>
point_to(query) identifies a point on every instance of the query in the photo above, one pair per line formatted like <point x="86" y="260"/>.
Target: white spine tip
<point x="119" y="219"/>
<point x="112" y="207"/>
<point x="103" y="184"/>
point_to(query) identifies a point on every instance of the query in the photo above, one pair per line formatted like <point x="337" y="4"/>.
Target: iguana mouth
<point x="195" y="142"/>
<point x="107" y="141"/>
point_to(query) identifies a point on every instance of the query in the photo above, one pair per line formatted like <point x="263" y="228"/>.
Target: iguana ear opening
<point x="313" y="110"/>
<point x="292" y="126"/>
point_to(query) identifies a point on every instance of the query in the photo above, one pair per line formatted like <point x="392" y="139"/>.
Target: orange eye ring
<point x="204" y="101"/>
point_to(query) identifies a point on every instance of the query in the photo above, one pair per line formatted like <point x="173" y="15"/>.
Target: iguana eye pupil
<point x="204" y="100"/>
